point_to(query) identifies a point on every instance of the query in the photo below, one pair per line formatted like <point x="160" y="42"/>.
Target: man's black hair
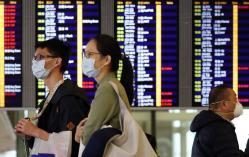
<point x="218" y="93"/>
<point x="57" y="48"/>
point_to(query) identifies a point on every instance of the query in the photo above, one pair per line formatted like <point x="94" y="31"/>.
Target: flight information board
<point x="220" y="48"/>
<point x="10" y="53"/>
<point x="147" y="32"/>
<point x="74" y="22"/>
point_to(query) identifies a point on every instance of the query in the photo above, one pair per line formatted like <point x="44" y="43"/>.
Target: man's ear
<point x="225" y="105"/>
<point x="222" y="105"/>
<point x="58" y="61"/>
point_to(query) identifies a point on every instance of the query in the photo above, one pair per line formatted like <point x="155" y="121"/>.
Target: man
<point x="215" y="133"/>
<point x="65" y="104"/>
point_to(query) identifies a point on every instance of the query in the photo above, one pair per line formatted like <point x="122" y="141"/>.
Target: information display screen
<point x="74" y="22"/>
<point x="220" y="48"/>
<point x="147" y="32"/>
<point x="10" y="53"/>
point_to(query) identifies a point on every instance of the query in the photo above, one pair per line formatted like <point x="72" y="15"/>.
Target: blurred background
<point x="171" y="129"/>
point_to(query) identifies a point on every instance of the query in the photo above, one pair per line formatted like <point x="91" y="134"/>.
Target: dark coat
<point x="66" y="109"/>
<point x="215" y="136"/>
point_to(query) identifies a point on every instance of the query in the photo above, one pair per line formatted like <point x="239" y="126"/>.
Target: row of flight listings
<point x="148" y="32"/>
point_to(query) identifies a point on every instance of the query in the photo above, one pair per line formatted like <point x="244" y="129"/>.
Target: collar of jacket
<point x="68" y="89"/>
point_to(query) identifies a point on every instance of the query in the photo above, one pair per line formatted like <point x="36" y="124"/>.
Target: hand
<point x="79" y="130"/>
<point x="25" y="127"/>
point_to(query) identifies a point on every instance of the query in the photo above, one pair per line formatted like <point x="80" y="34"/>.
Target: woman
<point x="101" y="60"/>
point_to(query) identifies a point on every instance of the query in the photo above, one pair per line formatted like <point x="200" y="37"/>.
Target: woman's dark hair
<point x="57" y="48"/>
<point x="107" y="45"/>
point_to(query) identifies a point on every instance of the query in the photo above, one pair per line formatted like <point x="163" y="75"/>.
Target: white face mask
<point x="88" y="67"/>
<point x="38" y="69"/>
<point x="238" y="110"/>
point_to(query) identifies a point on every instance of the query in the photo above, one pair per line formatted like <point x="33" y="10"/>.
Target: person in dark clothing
<point x="65" y="104"/>
<point x="215" y="133"/>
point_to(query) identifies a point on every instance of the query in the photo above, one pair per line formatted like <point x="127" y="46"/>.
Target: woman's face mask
<point x="88" y="67"/>
<point x="89" y="60"/>
<point x="38" y="69"/>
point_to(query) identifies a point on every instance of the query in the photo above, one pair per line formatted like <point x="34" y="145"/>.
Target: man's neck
<point x="226" y="116"/>
<point x="52" y="79"/>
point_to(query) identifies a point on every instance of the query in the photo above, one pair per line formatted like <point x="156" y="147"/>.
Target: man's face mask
<point x="38" y="69"/>
<point x="238" y="110"/>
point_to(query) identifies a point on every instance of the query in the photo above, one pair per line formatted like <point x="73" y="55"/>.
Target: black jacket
<point x="215" y="137"/>
<point x="66" y="109"/>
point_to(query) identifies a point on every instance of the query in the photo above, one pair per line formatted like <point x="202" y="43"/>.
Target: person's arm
<point x="71" y="111"/>
<point x="79" y="130"/>
<point x="103" y="108"/>
<point x="225" y="142"/>
<point x="26" y="127"/>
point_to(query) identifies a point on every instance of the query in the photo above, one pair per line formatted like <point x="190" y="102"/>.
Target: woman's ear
<point x="108" y="59"/>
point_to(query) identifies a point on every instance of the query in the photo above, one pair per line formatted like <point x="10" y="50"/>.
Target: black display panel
<point x="147" y="32"/>
<point x="10" y="53"/>
<point x="220" y="48"/>
<point x="74" y="22"/>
